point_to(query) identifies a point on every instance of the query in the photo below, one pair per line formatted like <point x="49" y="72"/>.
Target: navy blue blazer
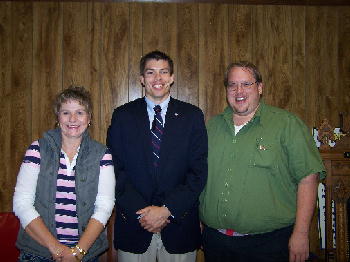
<point x="180" y="178"/>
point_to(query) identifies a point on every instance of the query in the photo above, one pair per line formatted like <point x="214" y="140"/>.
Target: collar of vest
<point x="54" y="138"/>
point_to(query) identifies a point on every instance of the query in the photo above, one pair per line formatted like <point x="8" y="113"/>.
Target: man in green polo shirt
<point x="263" y="175"/>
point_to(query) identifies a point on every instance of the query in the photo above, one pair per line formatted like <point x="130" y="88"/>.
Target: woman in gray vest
<point x="65" y="188"/>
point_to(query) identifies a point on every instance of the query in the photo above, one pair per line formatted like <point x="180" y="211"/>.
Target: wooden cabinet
<point x="337" y="185"/>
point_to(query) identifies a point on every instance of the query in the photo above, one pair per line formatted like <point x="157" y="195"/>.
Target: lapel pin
<point x="261" y="147"/>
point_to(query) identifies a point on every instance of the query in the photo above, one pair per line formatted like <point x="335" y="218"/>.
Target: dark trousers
<point x="267" y="247"/>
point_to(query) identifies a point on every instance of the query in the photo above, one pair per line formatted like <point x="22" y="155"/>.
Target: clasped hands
<point x="154" y="218"/>
<point x="62" y="253"/>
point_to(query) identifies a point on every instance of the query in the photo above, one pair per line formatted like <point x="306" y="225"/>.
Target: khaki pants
<point x="156" y="253"/>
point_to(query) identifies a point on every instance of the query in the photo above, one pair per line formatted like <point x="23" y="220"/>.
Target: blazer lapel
<point x="171" y="120"/>
<point x="142" y="123"/>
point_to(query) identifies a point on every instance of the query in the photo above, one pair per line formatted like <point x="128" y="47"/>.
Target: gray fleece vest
<point x="87" y="172"/>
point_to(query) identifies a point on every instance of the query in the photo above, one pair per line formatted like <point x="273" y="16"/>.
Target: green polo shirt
<point x="253" y="176"/>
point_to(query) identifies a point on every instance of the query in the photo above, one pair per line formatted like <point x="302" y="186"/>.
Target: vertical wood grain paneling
<point x="312" y="76"/>
<point x="160" y="32"/>
<point x="261" y="46"/>
<point x="321" y="65"/>
<point x="281" y="46"/>
<point x="240" y="35"/>
<point x="21" y="82"/>
<point x="200" y="256"/>
<point x="274" y="52"/>
<point x="47" y="64"/>
<point x="76" y="44"/>
<point x="7" y="176"/>
<point x="5" y="53"/>
<point x="187" y="46"/>
<point x="343" y="89"/>
<point x="95" y="52"/>
<point x="298" y="67"/>
<point x="213" y="57"/>
<point x="303" y="53"/>
<point x="135" y="50"/>
<point x="115" y="39"/>
<point x="329" y="103"/>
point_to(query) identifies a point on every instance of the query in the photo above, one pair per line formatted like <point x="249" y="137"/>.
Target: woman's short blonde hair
<point x="77" y="93"/>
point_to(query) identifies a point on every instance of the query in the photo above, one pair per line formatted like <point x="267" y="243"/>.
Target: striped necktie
<point x="157" y="132"/>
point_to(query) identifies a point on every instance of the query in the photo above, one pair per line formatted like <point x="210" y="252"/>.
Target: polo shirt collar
<point x="259" y="115"/>
<point x="257" y="118"/>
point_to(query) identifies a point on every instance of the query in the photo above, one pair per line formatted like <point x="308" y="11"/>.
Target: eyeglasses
<point x="244" y="85"/>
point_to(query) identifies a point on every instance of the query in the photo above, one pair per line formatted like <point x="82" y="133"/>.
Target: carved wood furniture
<point x="337" y="189"/>
<point x="337" y="162"/>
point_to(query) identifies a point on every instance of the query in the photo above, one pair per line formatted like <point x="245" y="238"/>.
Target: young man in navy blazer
<point x="157" y="202"/>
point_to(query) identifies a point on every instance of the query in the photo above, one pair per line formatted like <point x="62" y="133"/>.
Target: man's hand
<point x="298" y="247"/>
<point x="306" y="202"/>
<point x="154" y="218"/>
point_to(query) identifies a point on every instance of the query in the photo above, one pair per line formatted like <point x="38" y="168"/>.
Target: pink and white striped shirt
<point x="65" y="214"/>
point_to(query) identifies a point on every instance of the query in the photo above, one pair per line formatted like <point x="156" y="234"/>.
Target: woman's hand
<point x="57" y="250"/>
<point x="67" y="255"/>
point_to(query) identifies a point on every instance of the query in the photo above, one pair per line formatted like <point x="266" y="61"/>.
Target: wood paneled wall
<point x="302" y="51"/>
